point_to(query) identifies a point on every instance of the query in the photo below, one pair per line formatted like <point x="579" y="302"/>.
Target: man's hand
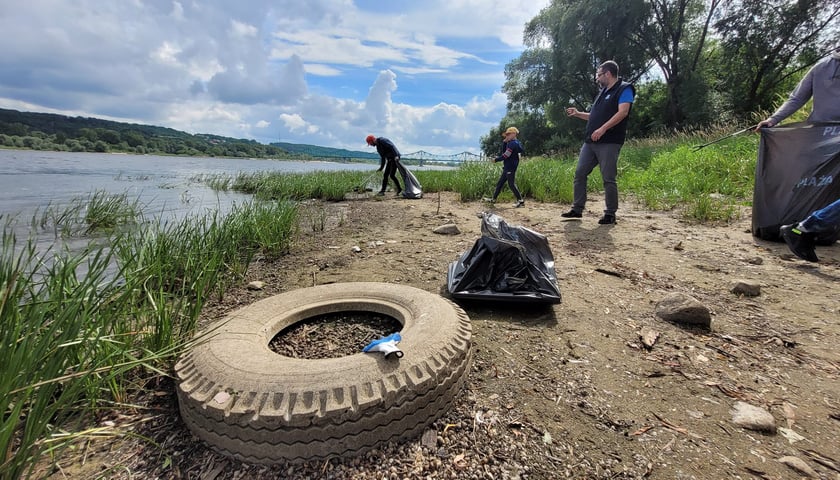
<point x="765" y="123"/>
<point x="597" y="134"/>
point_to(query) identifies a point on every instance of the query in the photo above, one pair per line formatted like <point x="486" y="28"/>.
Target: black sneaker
<point x="607" y="220"/>
<point x="519" y="203"/>
<point x="799" y="242"/>
<point x="381" y="194"/>
<point x="572" y="214"/>
<point x="398" y="194"/>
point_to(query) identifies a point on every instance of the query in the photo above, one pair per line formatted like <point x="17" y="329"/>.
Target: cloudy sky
<point x="426" y="74"/>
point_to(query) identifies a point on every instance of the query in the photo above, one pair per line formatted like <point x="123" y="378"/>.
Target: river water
<point x="165" y="187"/>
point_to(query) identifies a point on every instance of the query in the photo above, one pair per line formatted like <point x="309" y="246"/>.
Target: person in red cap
<point x="389" y="156"/>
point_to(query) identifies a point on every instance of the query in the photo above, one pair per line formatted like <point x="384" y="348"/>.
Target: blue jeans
<point x="605" y="155"/>
<point x="826" y="219"/>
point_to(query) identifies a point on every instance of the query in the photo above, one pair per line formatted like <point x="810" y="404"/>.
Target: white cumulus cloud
<point x="427" y="75"/>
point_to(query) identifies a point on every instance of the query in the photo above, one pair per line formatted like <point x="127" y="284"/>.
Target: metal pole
<point x="698" y="147"/>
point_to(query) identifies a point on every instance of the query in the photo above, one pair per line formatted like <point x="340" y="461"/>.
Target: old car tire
<point x="255" y="405"/>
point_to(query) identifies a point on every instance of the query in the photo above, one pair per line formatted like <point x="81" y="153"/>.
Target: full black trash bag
<point x="796" y="173"/>
<point x="412" y="188"/>
<point x="507" y="263"/>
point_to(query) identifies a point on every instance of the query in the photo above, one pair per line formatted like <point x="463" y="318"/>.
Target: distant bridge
<point x="423" y="156"/>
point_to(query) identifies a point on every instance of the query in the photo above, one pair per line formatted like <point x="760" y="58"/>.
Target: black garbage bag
<point x="411" y="187"/>
<point x="507" y="263"/>
<point x="795" y="174"/>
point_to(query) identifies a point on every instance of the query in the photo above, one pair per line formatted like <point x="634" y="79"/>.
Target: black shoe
<point x="799" y="242"/>
<point x="572" y="214"/>
<point x="381" y="193"/>
<point x="607" y="220"/>
<point x="398" y="194"/>
<point x="519" y="203"/>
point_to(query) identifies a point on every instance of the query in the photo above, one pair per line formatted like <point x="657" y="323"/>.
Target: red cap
<point x="370" y="139"/>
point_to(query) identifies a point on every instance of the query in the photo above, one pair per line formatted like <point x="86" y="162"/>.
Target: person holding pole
<point x="389" y="156"/>
<point x="822" y="83"/>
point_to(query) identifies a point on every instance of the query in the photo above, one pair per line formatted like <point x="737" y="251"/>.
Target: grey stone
<point x="753" y="418"/>
<point x="746" y="288"/>
<point x="448" y="229"/>
<point x="799" y="466"/>
<point x="684" y="309"/>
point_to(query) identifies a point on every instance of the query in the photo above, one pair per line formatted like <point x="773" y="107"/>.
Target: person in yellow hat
<point x="511" y="151"/>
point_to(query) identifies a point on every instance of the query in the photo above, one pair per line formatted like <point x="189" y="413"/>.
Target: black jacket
<point x="386" y="150"/>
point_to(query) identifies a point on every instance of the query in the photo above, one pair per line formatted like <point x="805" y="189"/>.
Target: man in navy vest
<point x="606" y="129"/>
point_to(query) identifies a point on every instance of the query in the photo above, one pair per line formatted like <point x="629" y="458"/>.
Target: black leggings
<point x="390" y="171"/>
<point x="508" y="177"/>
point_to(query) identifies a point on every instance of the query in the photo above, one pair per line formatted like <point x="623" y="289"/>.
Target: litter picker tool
<point x="698" y="147"/>
<point x="363" y="187"/>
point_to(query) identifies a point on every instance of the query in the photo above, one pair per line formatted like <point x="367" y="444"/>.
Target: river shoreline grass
<point x="80" y="340"/>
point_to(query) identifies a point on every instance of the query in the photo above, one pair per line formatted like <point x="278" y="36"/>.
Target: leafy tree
<point x="75" y="146"/>
<point x="565" y="44"/>
<point x="767" y="45"/>
<point x="133" y="138"/>
<point x="673" y="37"/>
<point x="32" y="142"/>
<point x="14" y="129"/>
<point x="88" y="134"/>
<point x="693" y="61"/>
<point x="108" y="136"/>
<point x="649" y="113"/>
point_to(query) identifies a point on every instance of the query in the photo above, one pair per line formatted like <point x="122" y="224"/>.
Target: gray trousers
<point x="604" y="155"/>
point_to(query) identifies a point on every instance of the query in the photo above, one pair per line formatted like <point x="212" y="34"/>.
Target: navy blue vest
<point x="605" y="106"/>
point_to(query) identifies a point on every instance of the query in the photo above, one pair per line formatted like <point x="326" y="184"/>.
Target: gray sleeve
<point x="798" y="97"/>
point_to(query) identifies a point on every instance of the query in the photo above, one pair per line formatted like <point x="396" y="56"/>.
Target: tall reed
<point x="58" y="348"/>
<point x="83" y="331"/>
<point x="98" y="212"/>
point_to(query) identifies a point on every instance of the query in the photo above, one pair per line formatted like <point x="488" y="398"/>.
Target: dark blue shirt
<point x="386" y="150"/>
<point x="511" y="155"/>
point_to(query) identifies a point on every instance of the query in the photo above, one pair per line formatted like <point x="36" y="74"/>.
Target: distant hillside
<point x="325" y="152"/>
<point x="50" y="124"/>
<point x="49" y="131"/>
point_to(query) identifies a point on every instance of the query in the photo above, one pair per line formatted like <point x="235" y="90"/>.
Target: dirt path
<point x="569" y="391"/>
